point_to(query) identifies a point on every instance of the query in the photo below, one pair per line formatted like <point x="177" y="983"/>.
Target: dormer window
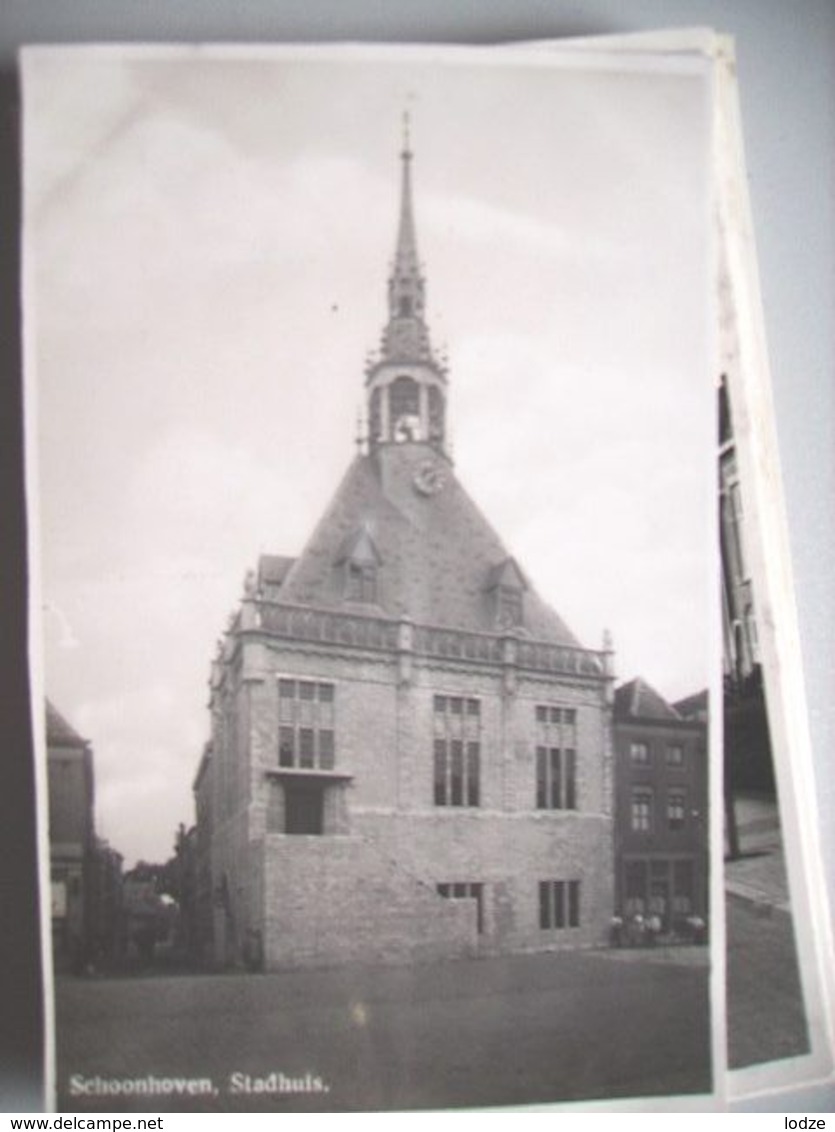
<point x="508" y="607"/>
<point x="361" y="582"/>
<point x="358" y="567"/>
<point x="506" y="587"/>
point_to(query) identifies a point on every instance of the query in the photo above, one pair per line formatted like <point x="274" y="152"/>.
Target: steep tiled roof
<point x="638" y="700"/>
<point x="438" y="554"/>
<point x="58" y="732"/>
<point x="693" y="707"/>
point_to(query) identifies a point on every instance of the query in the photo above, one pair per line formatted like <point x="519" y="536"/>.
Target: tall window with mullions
<point x="306" y="725"/>
<point x="559" y="904"/>
<point x="556" y="758"/>
<point x="457" y="751"/>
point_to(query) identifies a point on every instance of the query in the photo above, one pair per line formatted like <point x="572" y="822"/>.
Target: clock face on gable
<point x="429" y="477"/>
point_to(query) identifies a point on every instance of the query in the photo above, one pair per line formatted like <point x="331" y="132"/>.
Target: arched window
<point x="404" y="407"/>
<point x="404" y="397"/>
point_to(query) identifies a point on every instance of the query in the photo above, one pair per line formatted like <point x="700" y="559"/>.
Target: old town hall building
<point x="410" y="752"/>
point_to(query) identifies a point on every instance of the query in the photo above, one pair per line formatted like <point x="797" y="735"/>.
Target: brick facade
<point x="71" y="840"/>
<point x="367" y="885"/>
<point x="410" y="752"/>
<point x="661" y="811"/>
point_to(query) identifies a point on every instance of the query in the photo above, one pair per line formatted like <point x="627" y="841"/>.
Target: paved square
<point x="510" y="1030"/>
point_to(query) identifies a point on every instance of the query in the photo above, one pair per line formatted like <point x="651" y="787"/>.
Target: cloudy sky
<point x="208" y="238"/>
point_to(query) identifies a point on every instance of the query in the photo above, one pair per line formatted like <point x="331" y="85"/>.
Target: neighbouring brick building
<point x="85" y="872"/>
<point x="410" y="752"/>
<point x="661" y="799"/>
<point x="106" y="920"/>
<point x="202" y="904"/>
<point x="72" y="840"/>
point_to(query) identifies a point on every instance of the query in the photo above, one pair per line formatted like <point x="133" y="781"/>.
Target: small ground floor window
<point x="466" y="890"/>
<point x="307" y="804"/>
<point x="559" y="904"/>
<point x="304" y="808"/>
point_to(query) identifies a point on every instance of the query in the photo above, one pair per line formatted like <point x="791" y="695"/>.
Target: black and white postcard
<point x="378" y="646"/>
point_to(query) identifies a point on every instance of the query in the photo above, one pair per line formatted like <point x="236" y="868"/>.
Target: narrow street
<point x="766" y="1015"/>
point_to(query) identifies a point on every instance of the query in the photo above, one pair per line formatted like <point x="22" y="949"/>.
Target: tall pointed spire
<point x="406" y="381"/>
<point x="406" y="337"/>
<point x="406" y="281"/>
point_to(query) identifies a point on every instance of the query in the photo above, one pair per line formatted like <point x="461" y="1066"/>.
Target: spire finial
<point x="405" y="278"/>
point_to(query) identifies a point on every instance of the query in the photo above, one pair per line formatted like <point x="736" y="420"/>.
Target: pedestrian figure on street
<point x="616" y="931"/>
<point x="653" y="930"/>
<point x="637" y="932"/>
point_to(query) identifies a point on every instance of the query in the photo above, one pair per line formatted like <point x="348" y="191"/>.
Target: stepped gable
<point x="59" y="733"/>
<point x="638" y="700"/>
<point x="438" y="555"/>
